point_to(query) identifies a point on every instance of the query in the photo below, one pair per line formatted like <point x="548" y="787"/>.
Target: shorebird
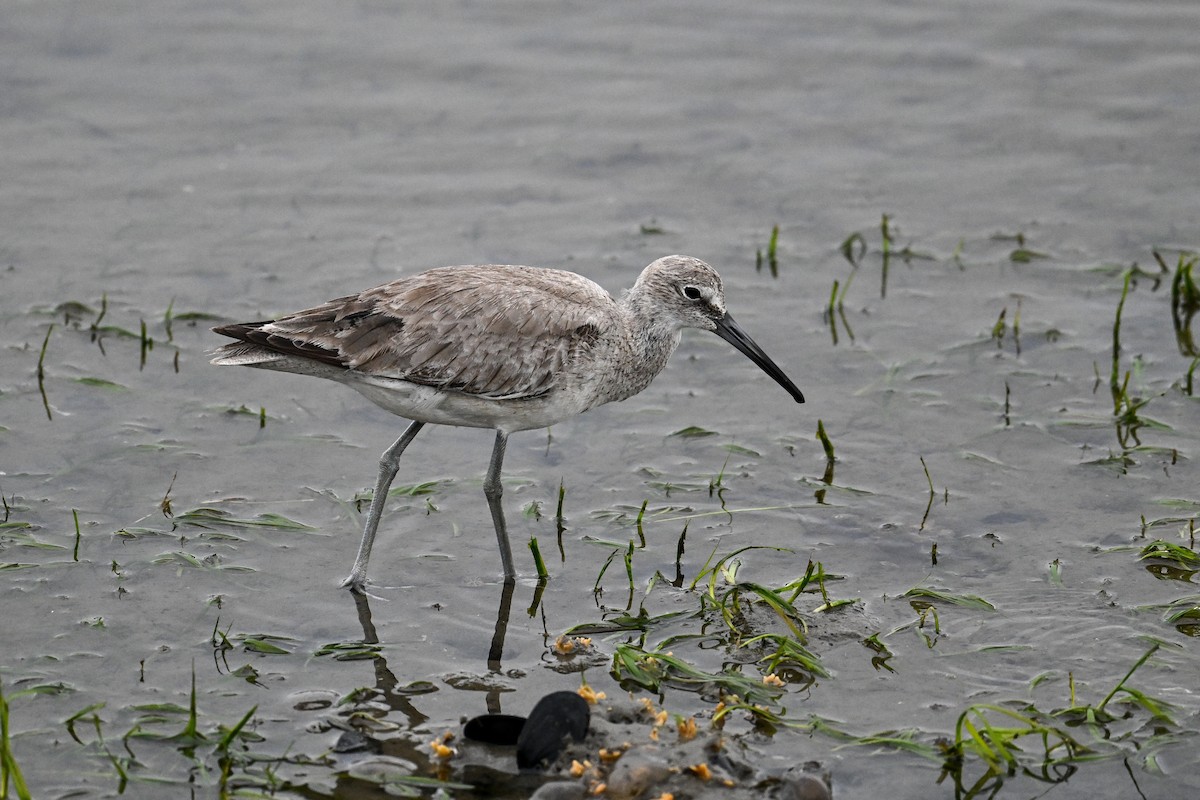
<point x="503" y="347"/>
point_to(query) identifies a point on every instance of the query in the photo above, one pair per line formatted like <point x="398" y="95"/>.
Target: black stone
<point x="502" y="729"/>
<point x="555" y="717"/>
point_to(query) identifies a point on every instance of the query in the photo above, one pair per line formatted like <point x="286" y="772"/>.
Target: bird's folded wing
<point x="495" y="332"/>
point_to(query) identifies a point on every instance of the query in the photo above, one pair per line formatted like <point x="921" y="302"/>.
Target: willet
<point x="502" y="347"/>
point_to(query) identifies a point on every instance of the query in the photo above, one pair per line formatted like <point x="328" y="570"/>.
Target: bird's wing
<point x="493" y="331"/>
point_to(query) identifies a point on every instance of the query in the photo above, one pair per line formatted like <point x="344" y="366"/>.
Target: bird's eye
<point x="691" y="293"/>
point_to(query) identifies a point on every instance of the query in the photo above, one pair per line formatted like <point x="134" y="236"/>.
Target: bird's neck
<point x="650" y="343"/>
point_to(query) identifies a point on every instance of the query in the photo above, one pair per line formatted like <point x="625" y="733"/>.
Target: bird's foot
<point x="356" y="583"/>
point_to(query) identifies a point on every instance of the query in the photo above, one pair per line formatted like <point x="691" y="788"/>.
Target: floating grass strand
<point x="727" y="604"/>
<point x="89" y="712"/>
<point x="841" y="298"/>
<point x="886" y="236"/>
<point x="929" y="505"/>
<point x="640" y="516"/>
<point x="41" y="372"/>
<point x="679" y="550"/>
<point x="629" y="571"/>
<point x="711" y="572"/>
<point x="191" y="733"/>
<point x="788" y="653"/>
<point x="845" y="322"/>
<point x="207" y="517"/>
<point x="921" y="593"/>
<point x="117" y="763"/>
<point x="724" y="512"/>
<point x="78" y="535"/>
<point x="70" y="721"/>
<point x="771" y="258"/>
<point x="853" y="248"/>
<point x="1024" y="256"/>
<point x="1115" y="377"/>
<point x="830" y="460"/>
<point x="716" y="485"/>
<point x="164" y="505"/>
<point x="836" y="309"/>
<point x="596" y="590"/>
<point x="927" y="477"/>
<point x="1121" y="684"/>
<point x="772" y="248"/>
<point x="145" y="343"/>
<point x="823" y="438"/>
<point x="957" y="255"/>
<point x="819" y="575"/>
<point x="95" y="330"/>
<point x="1185" y="300"/>
<point x="232" y="733"/>
<point x="560" y="522"/>
<point x="1016" y="328"/>
<point x="799" y="585"/>
<point x="1179" y="556"/>
<point x="996" y="744"/>
<point x="654" y="670"/>
<point x="1001" y="326"/>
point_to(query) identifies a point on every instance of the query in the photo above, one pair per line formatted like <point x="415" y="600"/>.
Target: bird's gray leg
<point x="493" y="490"/>
<point x="389" y="462"/>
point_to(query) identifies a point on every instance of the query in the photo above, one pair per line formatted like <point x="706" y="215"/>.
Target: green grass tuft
<point x="10" y="771"/>
<point x="538" y="561"/>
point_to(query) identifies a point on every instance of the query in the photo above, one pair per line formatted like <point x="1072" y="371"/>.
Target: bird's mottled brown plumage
<point x="496" y="332"/>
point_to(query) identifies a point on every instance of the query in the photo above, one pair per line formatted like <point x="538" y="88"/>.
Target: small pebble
<point x="804" y="787"/>
<point x="560" y="790"/>
<point x="637" y="771"/>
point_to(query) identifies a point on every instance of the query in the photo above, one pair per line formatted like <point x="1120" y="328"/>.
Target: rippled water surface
<point x="168" y="166"/>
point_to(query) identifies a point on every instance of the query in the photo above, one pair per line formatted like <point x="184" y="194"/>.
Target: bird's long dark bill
<point x="731" y="332"/>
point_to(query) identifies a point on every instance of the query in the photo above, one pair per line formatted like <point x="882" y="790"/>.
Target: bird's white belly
<point x="428" y="404"/>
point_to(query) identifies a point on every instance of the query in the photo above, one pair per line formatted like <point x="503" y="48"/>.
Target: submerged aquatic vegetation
<point x="1185" y="300"/>
<point x="732" y="612"/>
<point x="213" y="754"/>
<point x="771" y="259"/>
<point x="836" y="310"/>
<point x="1022" y="254"/>
<point x="41" y="372"/>
<point x="1127" y="408"/>
<point x="854" y="249"/>
<point x="206" y="517"/>
<point x="995" y="741"/>
<point x="1170" y="560"/>
<point x="10" y="771"/>
<point x="990" y="732"/>
<point x="538" y="562"/>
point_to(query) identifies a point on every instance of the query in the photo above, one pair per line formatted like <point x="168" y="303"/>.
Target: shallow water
<point x="227" y="162"/>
